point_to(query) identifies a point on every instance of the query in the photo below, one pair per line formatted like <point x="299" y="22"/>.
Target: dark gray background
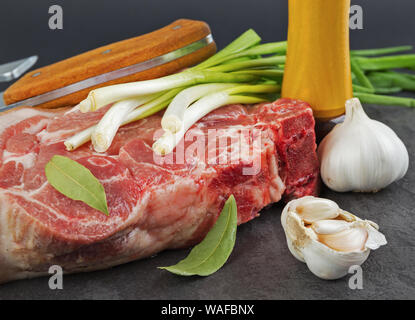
<point x="260" y="266"/>
<point x="89" y="24"/>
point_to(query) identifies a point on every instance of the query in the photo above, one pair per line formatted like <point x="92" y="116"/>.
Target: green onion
<point x="380" y="52"/>
<point x="263" y="62"/>
<point x="241" y="59"/>
<point x="382" y="90"/>
<point x="91" y="103"/>
<point x="237" y="74"/>
<point x="196" y="111"/>
<point x="387" y="90"/>
<point x="388" y="62"/>
<point x="248" y="39"/>
<point x="358" y="88"/>
<point x="144" y="111"/>
<point x="103" y="96"/>
<point x="259" y="88"/>
<point x="407" y="75"/>
<point x="79" y="139"/>
<point x="378" y="81"/>
<point x="173" y="117"/>
<point x="256" y="51"/>
<point x="111" y="121"/>
<point x="360" y="75"/>
<point x="264" y="49"/>
<point x="384" y="100"/>
<point x="152" y="107"/>
<point x="395" y="79"/>
<point x="275" y="74"/>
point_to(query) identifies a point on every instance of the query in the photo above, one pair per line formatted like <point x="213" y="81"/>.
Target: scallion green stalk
<point x="388" y="90"/>
<point x="255" y="51"/>
<point x="359" y="88"/>
<point x="380" y="51"/>
<point x="275" y="74"/>
<point x="246" y="40"/>
<point x="264" y="49"/>
<point x="241" y="59"/>
<point x="262" y="62"/>
<point x="388" y="62"/>
<point x="360" y="75"/>
<point x="252" y="88"/>
<point x="395" y="79"/>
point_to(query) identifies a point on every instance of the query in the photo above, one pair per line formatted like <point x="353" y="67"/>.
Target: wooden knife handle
<point x="113" y="57"/>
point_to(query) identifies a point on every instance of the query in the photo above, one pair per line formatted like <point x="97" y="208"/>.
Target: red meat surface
<point x="264" y="153"/>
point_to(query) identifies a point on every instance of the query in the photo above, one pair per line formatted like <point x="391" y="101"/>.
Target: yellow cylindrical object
<point x="317" y="69"/>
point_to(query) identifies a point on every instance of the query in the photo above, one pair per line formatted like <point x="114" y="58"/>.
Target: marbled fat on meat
<point x="153" y="206"/>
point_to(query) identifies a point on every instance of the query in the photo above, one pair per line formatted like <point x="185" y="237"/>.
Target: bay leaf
<point x="211" y="254"/>
<point x="76" y="182"/>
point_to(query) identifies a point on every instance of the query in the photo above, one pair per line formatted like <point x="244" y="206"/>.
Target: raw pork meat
<point x="153" y="206"/>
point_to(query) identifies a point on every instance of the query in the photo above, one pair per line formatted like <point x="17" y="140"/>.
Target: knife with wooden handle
<point x="179" y="45"/>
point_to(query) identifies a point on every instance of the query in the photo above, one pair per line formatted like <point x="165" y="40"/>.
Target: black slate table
<point x="260" y="266"/>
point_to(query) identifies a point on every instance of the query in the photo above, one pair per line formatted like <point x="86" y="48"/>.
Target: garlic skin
<point x="331" y="244"/>
<point x="361" y="154"/>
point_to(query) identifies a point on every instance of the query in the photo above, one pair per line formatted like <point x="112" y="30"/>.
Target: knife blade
<point x="13" y="70"/>
<point x="170" y="49"/>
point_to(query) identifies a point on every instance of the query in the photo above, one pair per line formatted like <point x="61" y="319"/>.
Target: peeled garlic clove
<point x="375" y="238"/>
<point x="348" y="240"/>
<point x="329" y="226"/>
<point x="311" y="209"/>
<point x="329" y="246"/>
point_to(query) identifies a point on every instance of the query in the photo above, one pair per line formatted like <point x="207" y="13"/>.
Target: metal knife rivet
<point x="177" y="27"/>
<point x="106" y="51"/>
<point x="36" y="74"/>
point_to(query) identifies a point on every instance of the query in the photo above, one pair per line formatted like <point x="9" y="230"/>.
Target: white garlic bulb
<point x="361" y="154"/>
<point x="328" y="239"/>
